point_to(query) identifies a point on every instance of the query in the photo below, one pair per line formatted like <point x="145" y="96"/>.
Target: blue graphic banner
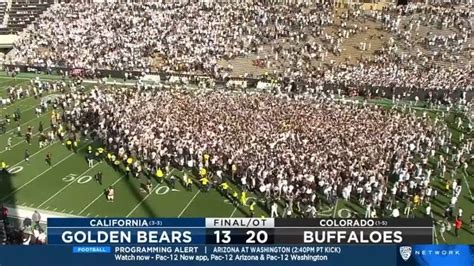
<point x="127" y="222"/>
<point x="212" y="255"/>
<point x="438" y="255"/>
<point x="230" y="241"/>
<point x="120" y="236"/>
<point x="120" y="231"/>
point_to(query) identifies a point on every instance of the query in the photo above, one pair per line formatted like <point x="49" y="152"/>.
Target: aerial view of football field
<point x="69" y="186"/>
<point x="58" y="179"/>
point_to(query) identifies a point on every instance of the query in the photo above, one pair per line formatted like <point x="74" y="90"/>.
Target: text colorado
<point x="346" y="223"/>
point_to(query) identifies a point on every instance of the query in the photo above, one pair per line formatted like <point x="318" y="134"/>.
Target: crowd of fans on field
<point x="301" y="151"/>
<point x="304" y="151"/>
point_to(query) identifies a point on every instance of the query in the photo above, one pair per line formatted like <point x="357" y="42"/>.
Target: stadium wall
<point x="21" y="212"/>
<point x="6" y="41"/>
<point x="346" y="89"/>
<point x="286" y="2"/>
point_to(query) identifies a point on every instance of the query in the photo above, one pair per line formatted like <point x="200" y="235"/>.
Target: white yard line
<point x="335" y="208"/>
<point x="20" y="142"/>
<point x="33" y="155"/>
<point x="140" y="203"/>
<point x="464" y="174"/>
<point x="26" y="110"/>
<point x="68" y="185"/>
<point x="17" y="102"/>
<point x="31" y="108"/>
<point x="189" y="203"/>
<point x="98" y="197"/>
<point x="233" y="212"/>
<point x="36" y="117"/>
<point x="42" y="173"/>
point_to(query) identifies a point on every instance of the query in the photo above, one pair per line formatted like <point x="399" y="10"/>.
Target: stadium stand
<point x="319" y="44"/>
<point x="3" y="8"/>
<point x="24" y="12"/>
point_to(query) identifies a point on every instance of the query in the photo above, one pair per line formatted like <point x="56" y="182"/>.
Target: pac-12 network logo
<point x="405" y="252"/>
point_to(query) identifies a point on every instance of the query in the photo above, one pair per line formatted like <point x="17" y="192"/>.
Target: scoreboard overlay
<point x="242" y="241"/>
<point x="225" y="231"/>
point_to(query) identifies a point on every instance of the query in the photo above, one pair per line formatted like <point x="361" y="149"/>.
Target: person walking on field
<point x="49" y="159"/>
<point x="27" y="156"/>
<point x="98" y="177"/>
<point x="442" y="230"/>
<point x="457" y="226"/>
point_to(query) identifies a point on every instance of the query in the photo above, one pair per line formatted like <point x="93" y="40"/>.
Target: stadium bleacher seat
<point x="22" y="13"/>
<point x="3" y="8"/>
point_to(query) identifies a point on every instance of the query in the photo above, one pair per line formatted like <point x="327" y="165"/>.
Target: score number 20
<point x="259" y="237"/>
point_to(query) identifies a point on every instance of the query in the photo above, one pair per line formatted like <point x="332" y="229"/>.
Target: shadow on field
<point x="132" y="187"/>
<point x="7" y="201"/>
<point x="150" y="212"/>
<point x="6" y="186"/>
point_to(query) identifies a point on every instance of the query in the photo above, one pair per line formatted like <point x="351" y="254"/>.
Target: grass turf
<point x="69" y="187"/>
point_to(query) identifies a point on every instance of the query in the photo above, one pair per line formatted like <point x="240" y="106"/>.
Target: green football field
<point x="68" y="187"/>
